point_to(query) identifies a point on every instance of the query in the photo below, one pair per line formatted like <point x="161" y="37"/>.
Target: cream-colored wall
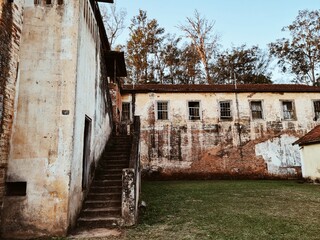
<point x="91" y="101"/>
<point x="59" y="84"/>
<point x="311" y="161"/>
<point x="179" y="144"/>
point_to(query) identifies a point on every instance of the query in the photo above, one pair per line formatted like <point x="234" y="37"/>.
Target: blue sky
<point x="251" y="22"/>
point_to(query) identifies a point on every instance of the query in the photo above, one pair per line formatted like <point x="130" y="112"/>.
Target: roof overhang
<point x="105" y="1"/>
<point x="116" y="66"/>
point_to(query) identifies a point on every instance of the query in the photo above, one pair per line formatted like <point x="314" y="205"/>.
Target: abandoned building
<point x="72" y="136"/>
<point x="221" y="130"/>
<point x="56" y="117"/>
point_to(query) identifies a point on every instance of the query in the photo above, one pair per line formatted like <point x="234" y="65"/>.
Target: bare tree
<point x="113" y="20"/>
<point x="200" y="31"/>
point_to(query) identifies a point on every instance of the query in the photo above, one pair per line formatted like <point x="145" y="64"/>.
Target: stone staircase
<point x="102" y="207"/>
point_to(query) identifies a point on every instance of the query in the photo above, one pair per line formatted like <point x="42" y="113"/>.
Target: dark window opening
<point x="288" y="110"/>
<point x="16" y="188"/>
<point x="225" y="110"/>
<point x="48" y="2"/>
<point x="162" y="110"/>
<point x="256" y="110"/>
<point x="316" y="105"/>
<point x="60" y="2"/>
<point x="125" y="111"/>
<point x="194" y="110"/>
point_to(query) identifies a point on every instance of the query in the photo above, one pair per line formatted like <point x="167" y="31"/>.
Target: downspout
<point x="238" y="115"/>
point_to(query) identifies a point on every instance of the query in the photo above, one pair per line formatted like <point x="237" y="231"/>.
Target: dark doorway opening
<point x="86" y="152"/>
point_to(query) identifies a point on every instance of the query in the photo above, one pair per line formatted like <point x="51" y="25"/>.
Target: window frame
<point x="129" y="111"/>
<point x="261" y="117"/>
<point x="316" y="111"/>
<point x="293" y="110"/>
<point x="225" y="117"/>
<point x="158" y="111"/>
<point x="199" y="117"/>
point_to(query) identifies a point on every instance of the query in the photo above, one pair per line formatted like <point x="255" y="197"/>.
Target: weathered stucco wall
<point x="62" y="105"/>
<point x="42" y="139"/>
<point x="10" y="34"/>
<point x="311" y="161"/>
<point x="91" y="102"/>
<point x="211" y="147"/>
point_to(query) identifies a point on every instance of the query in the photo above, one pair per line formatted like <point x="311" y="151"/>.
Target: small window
<point x="225" y="110"/>
<point x="125" y="111"/>
<point x="48" y="2"/>
<point x="162" y="110"/>
<point x="60" y="2"/>
<point x="37" y="2"/>
<point x="194" y="110"/>
<point x="316" y="105"/>
<point x="288" y="110"/>
<point x="256" y="109"/>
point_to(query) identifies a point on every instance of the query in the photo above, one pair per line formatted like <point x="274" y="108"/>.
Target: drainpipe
<point x="238" y="114"/>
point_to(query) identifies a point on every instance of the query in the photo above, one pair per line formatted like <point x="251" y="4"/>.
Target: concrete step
<point x="109" y="176"/>
<point x="105" y="189"/>
<point x="102" y="204"/>
<point x="102" y="196"/>
<point x="107" y="183"/>
<point x="101" y="212"/>
<point x="98" y="222"/>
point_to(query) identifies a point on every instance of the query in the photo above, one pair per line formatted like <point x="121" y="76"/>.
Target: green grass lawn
<point x="228" y="210"/>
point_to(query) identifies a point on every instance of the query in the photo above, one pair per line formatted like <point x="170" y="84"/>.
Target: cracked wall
<point x="213" y="147"/>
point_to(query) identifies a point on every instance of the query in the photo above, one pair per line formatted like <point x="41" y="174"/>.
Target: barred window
<point x="288" y="110"/>
<point x="162" y="110"/>
<point x="225" y="110"/>
<point x="316" y="105"/>
<point x="256" y="109"/>
<point x="125" y="111"/>
<point x="194" y="110"/>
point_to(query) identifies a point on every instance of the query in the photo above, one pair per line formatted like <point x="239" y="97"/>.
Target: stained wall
<point x="215" y="147"/>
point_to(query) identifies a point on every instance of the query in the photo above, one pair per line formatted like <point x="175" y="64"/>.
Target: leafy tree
<point x="300" y="55"/>
<point x="169" y="66"/>
<point x="143" y="44"/>
<point x="190" y="66"/>
<point x="113" y="20"/>
<point x="200" y="31"/>
<point x="247" y="65"/>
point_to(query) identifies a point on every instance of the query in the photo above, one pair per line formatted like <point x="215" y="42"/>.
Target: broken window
<point x="162" y="110"/>
<point x="125" y="111"/>
<point x="225" y="110"/>
<point x="194" y="110"/>
<point x="256" y="109"/>
<point x="288" y="110"/>
<point x="316" y="105"/>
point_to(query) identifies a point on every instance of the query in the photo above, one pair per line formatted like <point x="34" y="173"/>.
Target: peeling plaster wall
<point x="311" y="161"/>
<point x="213" y="147"/>
<point x="61" y="82"/>
<point x="42" y="139"/>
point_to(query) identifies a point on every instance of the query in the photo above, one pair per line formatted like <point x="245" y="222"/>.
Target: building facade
<point x="222" y="131"/>
<point x="56" y="114"/>
<point x="310" y="151"/>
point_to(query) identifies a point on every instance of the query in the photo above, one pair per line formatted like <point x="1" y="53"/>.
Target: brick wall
<point x="10" y="31"/>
